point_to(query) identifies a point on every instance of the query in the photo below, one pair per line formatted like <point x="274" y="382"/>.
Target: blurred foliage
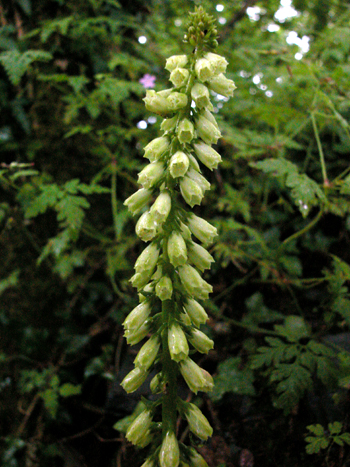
<point x="70" y="148"/>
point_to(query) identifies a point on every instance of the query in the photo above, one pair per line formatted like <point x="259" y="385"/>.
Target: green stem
<point x="251" y="328"/>
<point x="320" y="150"/>
<point x="114" y="197"/>
<point x="301" y="232"/>
<point x="169" y="370"/>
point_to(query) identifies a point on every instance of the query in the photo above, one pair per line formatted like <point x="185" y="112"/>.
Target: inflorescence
<point x="168" y="271"/>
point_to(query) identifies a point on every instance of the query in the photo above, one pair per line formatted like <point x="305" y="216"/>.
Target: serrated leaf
<point x="335" y="428"/>
<point x="70" y="211"/>
<point x="232" y="378"/>
<point x="47" y="199"/>
<point x="304" y="191"/>
<point x="317" y="429"/>
<point x="345" y="437"/>
<point x="338" y="441"/>
<point x="16" y="63"/>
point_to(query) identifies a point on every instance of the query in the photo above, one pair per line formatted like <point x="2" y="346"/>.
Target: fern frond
<point x="16" y="64"/>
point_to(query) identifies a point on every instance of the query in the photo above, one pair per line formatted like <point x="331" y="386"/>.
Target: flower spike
<point x="168" y="273"/>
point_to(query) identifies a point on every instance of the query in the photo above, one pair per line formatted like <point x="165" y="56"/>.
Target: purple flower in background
<point x="147" y="81"/>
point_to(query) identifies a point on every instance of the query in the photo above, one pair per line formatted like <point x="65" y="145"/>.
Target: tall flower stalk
<point x="168" y="271"/>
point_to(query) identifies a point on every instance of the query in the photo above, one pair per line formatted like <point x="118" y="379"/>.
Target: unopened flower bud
<point x="196" y="312"/>
<point x="209" y="116"/>
<point x="208" y="381"/>
<point x="148" y="463"/>
<point x="192" y="374"/>
<point x="176" y="61"/>
<point x="179" y="76"/>
<point x="193" y="162"/>
<point x="204" y="69"/>
<point x="196" y="459"/>
<point x="201" y="181"/>
<point x="156" y="103"/>
<point x="177" y="250"/>
<point x="185" y="232"/>
<point x="191" y="191"/>
<point x="137" y="316"/>
<point x="208" y="132"/>
<point x="161" y="207"/>
<point x="143" y="296"/>
<point x="139" y="427"/>
<point x="177" y="101"/>
<point x="200" y="95"/>
<point x="146" y="227"/>
<point x="207" y="155"/>
<point x="185" y="131"/>
<point x="156" y="148"/>
<point x="201" y="341"/>
<point x="193" y="282"/>
<point x="222" y="85"/>
<point x="165" y="92"/>
<point x="148" y="353"/>
<point x="140" y="279"/>
<point x="199" y="256"/>
<point x="134" y="379"/>
<point x="134" y="336"/>
<point x="178" y="345"/>
<point x="158" y="274"/>
<point x="151" y="174"/>
<point x="169" y="124"/>
<point x="164" y="288"/>
<point x="148" y="258"/>
<point x="146" y="439"/>
<point x="184" y="317"/>
<point x="138" y="200"/>
<point x="218" y="62"/>
<point x="169" y="455"/>
<point x="157" y="384"/>
<point x="197" y="422"/>
<point x="201" y="229"/>
<point x="178" y="164"/>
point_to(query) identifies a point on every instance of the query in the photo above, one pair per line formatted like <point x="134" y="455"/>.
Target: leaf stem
<point x="301" y="232"/>
<point x="320" y="150"/>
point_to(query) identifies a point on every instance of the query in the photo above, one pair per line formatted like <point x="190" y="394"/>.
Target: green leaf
<point x="66" y="263"/>
<point x="304" y="191"/>
<point x="68" y="389"/>
<point x="232" y="378"/>
<point x="345" y="437"/>
<point x="317" y="429"/>
<point x="70" y="211"/>
<point x="26" y="6"/>
<point x="47" y="199"/>
<point x="335" y="428"/>
<point x="16" y="64"/>
<point x="316" y="444"/>
<point x="10" y="281"/>
<point x="60" y="25"/>
<point x="258" y="312"/>
<point x="294" y="328"/>
<point x="50" y="398"/>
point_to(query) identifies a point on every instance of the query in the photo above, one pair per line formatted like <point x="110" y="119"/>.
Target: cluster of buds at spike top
<point x="168" y="273"/>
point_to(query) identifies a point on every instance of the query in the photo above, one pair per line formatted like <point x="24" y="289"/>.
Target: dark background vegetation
<point x="70" y="150"/>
